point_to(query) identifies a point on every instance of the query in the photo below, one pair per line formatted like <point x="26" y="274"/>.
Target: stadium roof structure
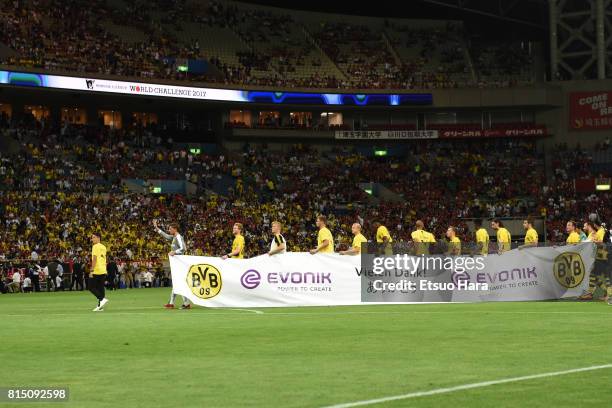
<point x="575" y="31"/>
<point x="531" y="13"/>
<point x="516" y="11"/>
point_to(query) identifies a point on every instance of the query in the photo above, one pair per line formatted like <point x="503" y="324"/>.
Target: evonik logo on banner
<point x="251" y="279"/>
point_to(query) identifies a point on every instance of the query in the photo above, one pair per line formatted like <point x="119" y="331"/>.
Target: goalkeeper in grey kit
<point x="178" y="248"/>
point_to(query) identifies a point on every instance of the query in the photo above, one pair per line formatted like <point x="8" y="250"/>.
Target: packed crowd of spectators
<point x="76" y="36"/>
<point x="71" y="36"/>
<point x="77" y="158"/>
<point x="561" y="200"/>
<point x="65" y="181"/>
<point x="58" y="188"/>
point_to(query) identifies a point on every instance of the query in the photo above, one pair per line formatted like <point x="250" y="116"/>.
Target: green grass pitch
<point x="137" y="354"/>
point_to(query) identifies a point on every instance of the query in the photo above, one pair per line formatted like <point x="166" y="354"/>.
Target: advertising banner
<point x="590" y="110"/>
<point x="91" y="84"/>
<point x="302" y="279"/>
<point x="500" y="132"/>
<point x="386" y="134"/>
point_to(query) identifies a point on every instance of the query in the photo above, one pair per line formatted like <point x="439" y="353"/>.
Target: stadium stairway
<point x="329" y="62"/>
<point x="253" y="49"/>
<point x="378" y="192"/>
<point x="392" y="50"/>
<point x="470" y="61"/>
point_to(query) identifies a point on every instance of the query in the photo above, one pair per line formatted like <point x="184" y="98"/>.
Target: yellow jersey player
<point x="572" y="235"/>
<point x="599" y="275"/>
<point x="591" y="231"/>
<point x="600" y="234"/>
<point x="422" y="239"/>
<point x="383" y="238"/>
<point x="237" y="244"/>
<point x="358" y="240"/>
<point x="454" y="243"/>
<point x="382" y="233"/>
<point x="531" y="235"/>
<point x="482" y="238"/>
<point x="278" y="245"/>
<point x="504" y="238"/>
<point x="98" y="271"/>
<point x="325" y="240"/>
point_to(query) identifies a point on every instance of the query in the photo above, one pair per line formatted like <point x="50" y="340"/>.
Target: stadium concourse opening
<point x="308" y="180"/>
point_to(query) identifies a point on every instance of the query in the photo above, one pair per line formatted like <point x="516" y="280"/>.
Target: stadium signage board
<point x="590" y="110"/>
<point x="90" y="84"/>
<point x="535" y="131"/>
<point x="302" y="279"/>
<point x="386" y="134"/>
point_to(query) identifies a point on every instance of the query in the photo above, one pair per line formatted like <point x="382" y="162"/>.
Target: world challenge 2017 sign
<point x="302" y="279"/>
<point x="30" y="79"/>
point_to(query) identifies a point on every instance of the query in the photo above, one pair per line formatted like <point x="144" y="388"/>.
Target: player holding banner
<point x="358" y="241"/>
<point x="238" y="243"/>
<point x="278" y="245"/>
<point x="178" y="248"/>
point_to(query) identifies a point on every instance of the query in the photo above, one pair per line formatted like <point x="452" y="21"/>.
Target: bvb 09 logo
<point x="204" y="281"/>
<point x="569" y="269"/>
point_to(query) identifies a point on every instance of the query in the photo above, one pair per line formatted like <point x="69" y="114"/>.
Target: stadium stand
<point x="62" y="169"/>
<point x="62" y="173"/>
<point x="237" y="43"/>
<point x="300" y="177"/>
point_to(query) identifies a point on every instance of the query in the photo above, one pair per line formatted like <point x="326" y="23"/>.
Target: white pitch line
<point x="432" y="312"/>
<point x="249" y="310"/>
<point x="466" y="387"/>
